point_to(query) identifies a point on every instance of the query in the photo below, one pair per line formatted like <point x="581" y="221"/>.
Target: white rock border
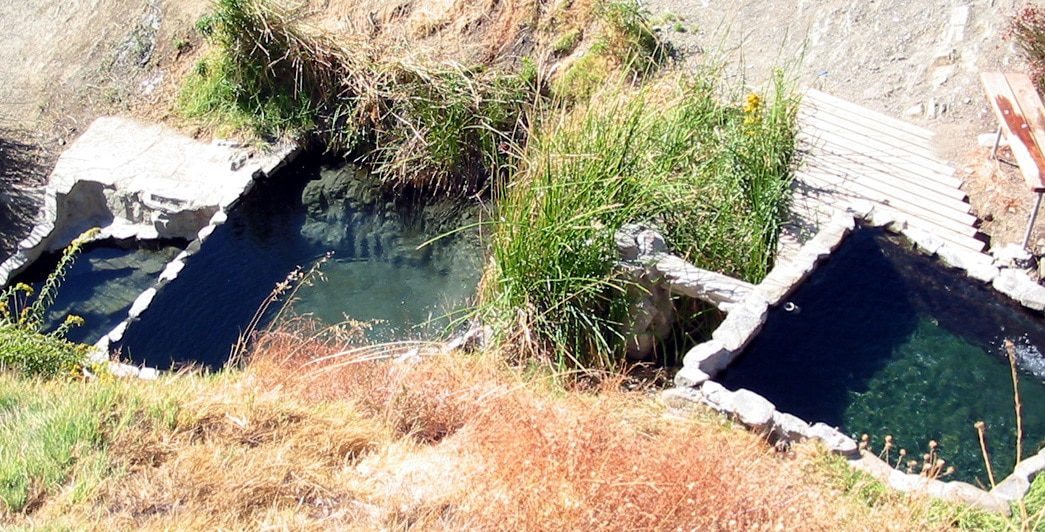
<point x="694" y="384"/>
<point x="102" y="351"/>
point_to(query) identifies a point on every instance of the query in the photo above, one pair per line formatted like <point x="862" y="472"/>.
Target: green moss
<point x="567" y="42"/>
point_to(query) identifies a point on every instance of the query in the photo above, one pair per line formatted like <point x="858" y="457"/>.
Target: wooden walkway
<point x="847" y="152"/>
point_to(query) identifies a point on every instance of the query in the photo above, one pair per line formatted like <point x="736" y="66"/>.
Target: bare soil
<point x="918" y="61"/>
<point x="66" y="62"/>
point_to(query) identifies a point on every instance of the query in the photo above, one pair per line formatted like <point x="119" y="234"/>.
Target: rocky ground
<point x="918" y="61"/>
<point x="65" y="63"/>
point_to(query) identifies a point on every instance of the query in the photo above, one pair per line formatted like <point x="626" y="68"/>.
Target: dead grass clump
<point x="425" y="396"/>
<point x="238" y="454"/>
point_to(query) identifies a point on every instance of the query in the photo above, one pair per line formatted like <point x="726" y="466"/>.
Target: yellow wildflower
<point x="73" y="320"/>
<point x="752" y="103"/>
<point x="22" y="287"/>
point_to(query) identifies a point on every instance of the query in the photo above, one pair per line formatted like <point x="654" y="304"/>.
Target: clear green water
<point x="890" y="342"/>
<point x="376" y="273"/>
<point x="101" y="285"/>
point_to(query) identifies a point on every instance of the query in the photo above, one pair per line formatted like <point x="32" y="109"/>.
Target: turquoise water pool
<point x="887" y="342"/>
<point x="378" y="271"/>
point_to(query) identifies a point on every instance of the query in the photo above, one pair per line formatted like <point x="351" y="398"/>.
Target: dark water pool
<point x="101" y="284"/>
<point x="376" y="272"/>
<point x="889" y="342"/>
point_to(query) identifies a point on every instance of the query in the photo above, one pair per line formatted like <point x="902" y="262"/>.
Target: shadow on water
<point x="102" y="283"/>
<point x="376" y="273"/>
<point x="890" y="342"/>
<point x="831" y="346"/>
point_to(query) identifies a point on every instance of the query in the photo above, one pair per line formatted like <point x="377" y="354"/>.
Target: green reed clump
<point x="25" y="346"/>
<point x="433" y="126"/>
<point x="712" y="174"/>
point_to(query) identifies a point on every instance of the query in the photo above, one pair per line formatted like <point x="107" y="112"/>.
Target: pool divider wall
<point x="102" y="352"/>
<point x="695" y="385"/>
<point x="142" y="182"/>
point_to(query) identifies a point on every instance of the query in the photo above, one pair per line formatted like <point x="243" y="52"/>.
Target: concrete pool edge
<point x="142" y="182"/>
<point x="695" y="385"/>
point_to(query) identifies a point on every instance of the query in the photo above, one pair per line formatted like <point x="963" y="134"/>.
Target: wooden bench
<point x="1021" y="117"/>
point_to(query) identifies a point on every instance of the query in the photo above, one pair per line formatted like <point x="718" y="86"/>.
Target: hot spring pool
<point x="376" y="272"/>
<point x="102" y="283"/>
<point x="885" y="341"/>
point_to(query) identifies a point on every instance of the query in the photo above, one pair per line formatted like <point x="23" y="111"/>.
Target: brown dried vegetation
<point x="426" y="439"/>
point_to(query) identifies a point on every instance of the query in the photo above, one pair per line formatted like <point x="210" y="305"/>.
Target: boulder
<point x="789" y="427"/>
<point x="753" y="410"/>
<point x="835" y="441"/>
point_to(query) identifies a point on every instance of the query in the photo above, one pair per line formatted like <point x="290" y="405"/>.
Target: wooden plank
<point x="862" y="156"/>
<point x="861" y="129"/>
<point x="1017" y="131"/>
<point x="1031" y="109"/>
<point x="905" y="181"/>
<point x="869" y="126"/>
<point x="820" y="110"/>
<point x="838" y="103"/>
<point x="955" y="221"/>
<point x="877" y="145"/>
<point x="872" y="170"/>
<point x="964" y="241"/>
<point x="886" y="180"/>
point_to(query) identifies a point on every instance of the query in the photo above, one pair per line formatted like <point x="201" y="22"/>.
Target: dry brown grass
<point x="449" y="441"/>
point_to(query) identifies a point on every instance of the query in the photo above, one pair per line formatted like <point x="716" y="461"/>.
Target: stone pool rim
<point x="695" y="385"/>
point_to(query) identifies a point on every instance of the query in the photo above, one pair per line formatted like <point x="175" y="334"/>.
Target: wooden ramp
<point x="847" y="152"/>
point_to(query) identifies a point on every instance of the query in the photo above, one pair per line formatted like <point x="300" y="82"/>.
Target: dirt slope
<point x="918" y="61"/>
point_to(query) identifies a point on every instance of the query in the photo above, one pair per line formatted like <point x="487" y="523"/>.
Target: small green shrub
<point x="24" y="345"/>
<point x="630" y="37"/>
<point x="627" y="43"/>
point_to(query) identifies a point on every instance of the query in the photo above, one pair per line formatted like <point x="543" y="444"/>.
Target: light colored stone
<point x="835" y="441"/>
<point x="123" y="370"/>
<point x="682" y="398"/>
<point x="914" y="111"/>
<point x="709" y="357"/>
<point x="116" y="334"/>
<point x="1016" y="285"/>
<point x="690" y="377"/>
<point x="742" y="324"/>
<point x="1012" y="256"/>
<point x="872" y="465"/>
<point x="904" y="483"/>
<point x="753" y="410"/>
<point x="149" y="374"/>
<point x="205" y="233"/>
<point x="1030" y="467"/>
<point x="1012" y="488"/>
<point x="976" y="265"/>
<point x="789" y="427"/>
<point x="141" y="303"/>
<point x="716" y="396"/>
<point x="171" y="271"/>
<point x="781" y="281"/>
<point x="963" y="493"/>
<point x="219" y="218"/>
<point x="986" y="140"/>
<point x="925" y="241"/>
<point x="685" y="279"/>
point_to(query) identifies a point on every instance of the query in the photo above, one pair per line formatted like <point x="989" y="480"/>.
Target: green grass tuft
<point x="713" y="176"/>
